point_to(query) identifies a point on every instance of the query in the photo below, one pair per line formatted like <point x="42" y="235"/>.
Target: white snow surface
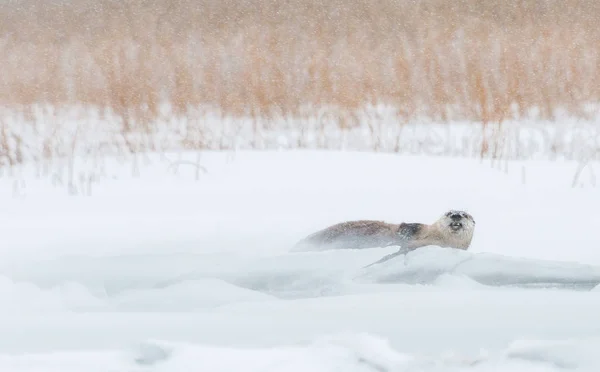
<point x="160" y="271"/>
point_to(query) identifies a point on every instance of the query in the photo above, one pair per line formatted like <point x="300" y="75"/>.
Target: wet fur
<point x="358" y="235"/>
<point x="408" y="236"/>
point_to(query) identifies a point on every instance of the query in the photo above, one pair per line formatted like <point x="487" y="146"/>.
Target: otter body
<point x="361" y="234"/>
<point x="453" y="230"/>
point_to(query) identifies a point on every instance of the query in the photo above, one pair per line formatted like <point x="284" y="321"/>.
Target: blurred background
<point x="508" y="80"/>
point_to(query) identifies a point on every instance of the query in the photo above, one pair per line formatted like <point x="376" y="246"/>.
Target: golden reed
<point x="471" y="59"/>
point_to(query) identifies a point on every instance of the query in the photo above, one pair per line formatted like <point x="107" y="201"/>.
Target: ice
<point x="26" y="296"/>
<point x="359" y="352"/>
<point x="427" y="264"/>
<point x="226" y="279"/>
<point x="159" y="272"/>
<point x="569" y="354"/>
<point x="180" y="296"/>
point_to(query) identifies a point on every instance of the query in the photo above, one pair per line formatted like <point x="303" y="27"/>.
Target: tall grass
<point x="470" y="59"/>
<point x="299" y="69"/>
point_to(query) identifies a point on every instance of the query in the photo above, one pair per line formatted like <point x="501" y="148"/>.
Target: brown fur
<point x="409" y="236"/>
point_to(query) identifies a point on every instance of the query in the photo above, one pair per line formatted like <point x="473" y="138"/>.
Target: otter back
<point x="350" y="235"/>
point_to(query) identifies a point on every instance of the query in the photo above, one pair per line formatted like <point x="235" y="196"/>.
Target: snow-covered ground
<point x="149" y="270"/>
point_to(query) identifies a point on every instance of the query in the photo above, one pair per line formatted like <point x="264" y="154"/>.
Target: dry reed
<point x="475" y="60"/>
<point x="470" y="59"/>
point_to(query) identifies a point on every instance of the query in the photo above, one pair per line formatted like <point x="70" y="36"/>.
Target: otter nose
<point x="456" y="216"/>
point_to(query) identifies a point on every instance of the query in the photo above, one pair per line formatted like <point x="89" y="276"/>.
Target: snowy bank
<point x="427" y="264"/>
<point x="343" y="352"/>
<point x="174" y="282"/>
<point x="207" y="263"/>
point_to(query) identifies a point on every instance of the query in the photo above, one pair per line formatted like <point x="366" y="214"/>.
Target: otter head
<point x="455" y="229"/>
<point x="458" y="221"/>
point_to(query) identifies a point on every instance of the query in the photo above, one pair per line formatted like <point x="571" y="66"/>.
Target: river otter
<point x="453" y="230"/>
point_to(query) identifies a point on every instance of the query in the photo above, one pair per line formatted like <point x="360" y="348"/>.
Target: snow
<point x="357" y="352"/>
<point x="159" y="271"/>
